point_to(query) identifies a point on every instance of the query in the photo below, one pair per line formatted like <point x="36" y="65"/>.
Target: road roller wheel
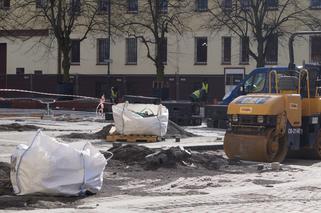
<point x="316" y="152"/>
<point x="282" y="149"/>
<point x="268" y="147"/>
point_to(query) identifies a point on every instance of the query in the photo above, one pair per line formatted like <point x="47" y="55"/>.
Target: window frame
<point x="227" y="7"/>
<point x="40" y="4"/>
<point x="273" y="7"/>
<point x="272" y="62"/>
<point x="129" y="10"/>
<point x="5" y="4"/>
<point x="246" y="6"/>
<point x="224" y="49"/>
<point x="197" y="51"/>
<point x="311" y="58"/>
<point x="98" y="48"/>
<point x="135" y="62"/>
<point x="71" y="52"/>
<point x="163" y="7"/>
<point x="101" y="8"/>
<point x="75" y="7"/>
<point x="315" y="7"/>
<point x="244" y="62"/>
<point x="198" y="4"/>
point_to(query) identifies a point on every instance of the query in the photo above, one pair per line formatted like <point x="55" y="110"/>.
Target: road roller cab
<point x="265" y="127"/>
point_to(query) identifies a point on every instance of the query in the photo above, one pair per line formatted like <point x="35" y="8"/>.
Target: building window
<point x="74" y="7"/>
<point x="163" y="5"/>
<point x="315" y="49"/>
<point x="75" y="51"/>
<point x="131" y="51"/>
<point x="102" y="50"/>
<point x="103" y="6"/>
<point x="201" y="50"/>
<point x="315" y="3"/>
<point x="163" y="52"/>
<point x="245" y="4"/>
<point x="4" y="4"/>
<point x="226" y="50"/>
<point x="201" y="5"/>
<point x="41" y="3"/>
<point x="132" y="6"/>
<point x="271" y="56"/>
<point x="272" y="4"/>
<point x="227" y="4"/>
<point x="245" y="45"/>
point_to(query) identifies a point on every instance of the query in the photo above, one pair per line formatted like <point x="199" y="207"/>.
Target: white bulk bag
<point x="50" y="167"/>
<point x="129" y="120"/>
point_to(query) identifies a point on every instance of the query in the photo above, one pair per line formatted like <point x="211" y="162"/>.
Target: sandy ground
<point x="192" y="187"/>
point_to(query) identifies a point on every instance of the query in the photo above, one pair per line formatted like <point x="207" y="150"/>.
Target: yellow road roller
<point x="266" y="127"/>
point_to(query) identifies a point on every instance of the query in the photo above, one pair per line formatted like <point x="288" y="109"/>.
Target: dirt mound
<point x="173" y="130"/>
<point x="18" y="127"/>
<point x="131" y="153"/>
<point x="5" y="183"/>
<point x="209" y="160"/>
<point x="169" y="157"/>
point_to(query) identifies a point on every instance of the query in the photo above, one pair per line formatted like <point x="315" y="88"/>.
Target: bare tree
<point x="154" y="21"/>
<point x="258" y="20"/>
<point x="63" y="18"/>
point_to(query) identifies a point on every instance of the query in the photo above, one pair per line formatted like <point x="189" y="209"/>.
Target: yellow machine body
<point x="259" y="124"/>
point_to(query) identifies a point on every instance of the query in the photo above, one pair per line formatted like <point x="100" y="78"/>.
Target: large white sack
<point x="128" y="121"/>
<point x="50" y="167"/>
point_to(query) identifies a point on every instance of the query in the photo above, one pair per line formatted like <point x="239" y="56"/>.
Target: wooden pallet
<point x="133" y="138"/>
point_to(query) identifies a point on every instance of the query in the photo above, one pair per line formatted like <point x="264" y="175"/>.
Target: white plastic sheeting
<point x="146" y="119"/>
<point x="50" y="167"/>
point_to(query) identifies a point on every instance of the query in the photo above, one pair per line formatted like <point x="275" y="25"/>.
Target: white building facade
<point x="217" y="56"/>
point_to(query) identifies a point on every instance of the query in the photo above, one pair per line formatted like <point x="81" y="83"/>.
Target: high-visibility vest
<point x="113" y="94"/>
<point x="205" y="87"/>
<point x="197" y="93"/>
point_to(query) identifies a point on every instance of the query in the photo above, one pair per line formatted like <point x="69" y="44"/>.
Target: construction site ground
<point x="226" y="186"/>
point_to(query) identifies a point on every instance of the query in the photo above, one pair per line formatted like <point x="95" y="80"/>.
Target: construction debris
<point x="133" y="138"/>
<point x="130" y="153"/>
<point x="18" y="127"/>
<point x="168" y="157"/>
<point x="5" y="184"/>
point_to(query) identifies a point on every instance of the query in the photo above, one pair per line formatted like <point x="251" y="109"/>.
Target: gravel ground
<point x="204" y="182"/>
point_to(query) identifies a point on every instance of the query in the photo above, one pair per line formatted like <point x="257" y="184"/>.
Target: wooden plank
<point x="133" y="138"/>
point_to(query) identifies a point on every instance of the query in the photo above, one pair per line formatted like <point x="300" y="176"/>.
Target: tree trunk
<point x="260" y="62"/>
<point x="160" y="71"/>
<point x="66" y="64"/>
<point x="59" y="76"/>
